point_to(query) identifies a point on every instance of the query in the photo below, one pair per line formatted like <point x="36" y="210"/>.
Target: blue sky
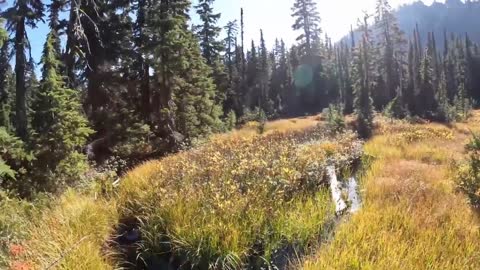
<point x="273" y="16"/>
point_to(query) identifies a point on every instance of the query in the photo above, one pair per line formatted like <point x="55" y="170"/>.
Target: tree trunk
<point x="71" y="41"/>
<point x="21" y="92"/>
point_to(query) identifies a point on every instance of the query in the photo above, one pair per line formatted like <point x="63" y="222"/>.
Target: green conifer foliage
<point x="307" y="20"/>
<point x="21" y="14"/>
<point x="362" y="84"/>
<point x="426" y="102"/>
<point x="60" y="127"/>
<point x="4" y="83"/>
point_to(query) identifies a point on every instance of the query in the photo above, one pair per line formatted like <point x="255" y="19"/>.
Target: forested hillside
<point x="450" y="17"/>
<point x="454" y="16"/>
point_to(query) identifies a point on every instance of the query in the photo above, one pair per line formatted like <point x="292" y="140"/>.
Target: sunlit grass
<point x="242" y="195"/>
<point x="72" y="234"/>
<point x="412" y="217"/>
<point x="236" y="197"/>
<point x="282" y="125"/>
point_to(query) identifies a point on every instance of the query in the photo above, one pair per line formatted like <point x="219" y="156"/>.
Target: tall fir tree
<point x="363" y="84"/>
<point x="426" y="102"/>
<point x="264" y="101"/>
<point x="185" y="102"/>
<point x="307" y="20"/>
<point x="208" y="31"/>
<point x="232" y="60"/>
<point x="5" y="73"/>
<point x="61" y="129"/>
<point x="390" y="46"/>
<point x="23" y="13"/>
<point x="252" y="78"/>
<point x="212" y="48"/>
<point x="410" y="89"/>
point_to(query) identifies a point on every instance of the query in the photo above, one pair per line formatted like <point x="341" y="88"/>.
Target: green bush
<point x="135" y="139"/>
<point x="249" y="116"/>
<point x="468" y="174"/>
<point x="230" y="121"/>
<point x="14" y="159"/>
<point x="262" y="121"/>
<point x="335" y="119"/>
<point x="395" y="109"/>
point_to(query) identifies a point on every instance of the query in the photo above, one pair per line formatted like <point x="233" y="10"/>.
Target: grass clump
<point x="15" y="216"/>
<point x="234" y="202"/>
<point x="70" y="234"/>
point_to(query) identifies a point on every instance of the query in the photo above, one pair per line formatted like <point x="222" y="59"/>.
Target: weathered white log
<point x="353" y="196"/>
<point x="340" y="204"/>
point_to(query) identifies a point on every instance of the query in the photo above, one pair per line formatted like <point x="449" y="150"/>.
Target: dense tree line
<point x="140" y="86"/>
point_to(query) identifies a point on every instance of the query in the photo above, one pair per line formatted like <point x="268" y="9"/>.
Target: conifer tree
<point x="307" y="20"/>
<point x="444" y="109"/>
<point x="243" y="60"/>
<point x="186" y="97"/>
<point x="391" y="44"/>
<point x="461" y="98"/>
<point x="426" y="102"/>
<point x="31" y="83"/>
<point x="281" y="79"/>
<point x="230" y="43"/>
<point x="410" y="89"/>
<point x="208" y="31"/>
<point x="60" y="127"/>
<point x="212" y="48"/>
<point x="54" y="22"/>
<point x="252" y="79"/>
<point x="362" y="83"/>
<point x="232" y="59"/>
<point x="264" y="101"/>
<point x="4" y="82"/>
<point x="21" y="14"/>
<point x="449" y="67"/>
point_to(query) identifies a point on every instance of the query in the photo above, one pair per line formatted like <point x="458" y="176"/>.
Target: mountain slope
<point x="454" y="16"/>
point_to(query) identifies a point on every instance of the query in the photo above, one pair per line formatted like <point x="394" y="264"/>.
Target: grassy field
<point x="236" y="200"/>
<point x="242" y="199"/>
<point x="412" y="217"/>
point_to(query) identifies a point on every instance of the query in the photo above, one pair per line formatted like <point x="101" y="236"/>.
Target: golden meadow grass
<point x="253" y="188"/>
<point x="71" y="234"/>
<point x="412" y="216"/>
<point x="236" y="197"/>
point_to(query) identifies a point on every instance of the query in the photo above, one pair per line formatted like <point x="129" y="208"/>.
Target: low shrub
<point x="335" y="119"/>
<point x="468" y="173"/>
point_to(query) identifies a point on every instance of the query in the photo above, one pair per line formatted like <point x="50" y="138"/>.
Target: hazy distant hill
<point x="454" y="16"/>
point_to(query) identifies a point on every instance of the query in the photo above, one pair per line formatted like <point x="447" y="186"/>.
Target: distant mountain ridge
<point x="454" y="16"/>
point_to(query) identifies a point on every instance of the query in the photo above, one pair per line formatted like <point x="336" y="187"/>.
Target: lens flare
<point x="303" y="76"/>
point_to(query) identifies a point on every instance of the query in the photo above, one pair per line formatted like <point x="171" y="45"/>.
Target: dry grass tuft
<point x="71" y="234"/>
